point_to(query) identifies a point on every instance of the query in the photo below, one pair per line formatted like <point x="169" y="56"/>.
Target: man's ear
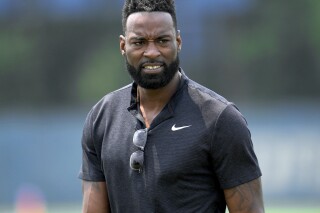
<point x="179" y="40"/>
<point x="122" y="44"/>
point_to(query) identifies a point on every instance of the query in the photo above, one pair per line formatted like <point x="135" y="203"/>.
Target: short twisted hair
<point x="133" y="6"/>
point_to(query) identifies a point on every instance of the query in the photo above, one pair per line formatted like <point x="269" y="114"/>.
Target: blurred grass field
<point x="77" y="209"/>
<point x="293" y="210"/>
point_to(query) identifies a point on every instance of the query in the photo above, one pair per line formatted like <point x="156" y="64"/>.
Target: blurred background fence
<point x="58" y="57"/>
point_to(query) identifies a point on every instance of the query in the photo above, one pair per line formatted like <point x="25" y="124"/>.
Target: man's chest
<point x="173" y="147"/>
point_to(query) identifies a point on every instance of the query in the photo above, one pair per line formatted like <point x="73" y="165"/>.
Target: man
<point x="165" y="143"/>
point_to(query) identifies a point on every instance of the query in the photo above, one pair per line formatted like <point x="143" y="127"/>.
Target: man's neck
<point x="152" y="101"/>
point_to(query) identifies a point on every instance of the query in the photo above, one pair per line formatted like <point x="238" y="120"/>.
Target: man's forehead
<point x="145" y="19"/>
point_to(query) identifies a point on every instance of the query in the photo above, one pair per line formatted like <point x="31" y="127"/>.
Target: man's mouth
<point x="152" y="68"/>
<point x="149" y="67"/>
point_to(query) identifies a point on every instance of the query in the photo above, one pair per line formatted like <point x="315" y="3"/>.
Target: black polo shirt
<point x="197" y="146"/>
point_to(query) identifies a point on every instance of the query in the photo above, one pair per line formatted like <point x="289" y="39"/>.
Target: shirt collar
<point x="133" y="108"/>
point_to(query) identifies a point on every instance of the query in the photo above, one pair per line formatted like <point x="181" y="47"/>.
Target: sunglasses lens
<point x="140" y="138"/>
<point x="136" y="160"/>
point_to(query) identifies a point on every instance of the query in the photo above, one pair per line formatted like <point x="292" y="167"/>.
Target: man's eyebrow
<point x="164" y="36"/>
<point x="141" y="38"/>
<point x="137" y="38"/>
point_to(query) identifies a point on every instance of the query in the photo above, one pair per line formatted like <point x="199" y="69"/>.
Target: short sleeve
<point x="91" y="169"/>
<point x="234" y="160"/>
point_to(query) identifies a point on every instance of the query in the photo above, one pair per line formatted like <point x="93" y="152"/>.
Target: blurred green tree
<point x="268" y="52"/>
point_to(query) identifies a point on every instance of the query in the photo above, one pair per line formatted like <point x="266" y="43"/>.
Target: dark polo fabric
<point x="197" y="146"/>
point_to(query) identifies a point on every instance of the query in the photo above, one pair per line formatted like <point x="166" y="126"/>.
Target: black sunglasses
<point x="139" y="140"/>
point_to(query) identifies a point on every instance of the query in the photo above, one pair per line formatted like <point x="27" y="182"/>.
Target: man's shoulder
<point x="114" y="99"/>
<point x="204" y="94"/>
<point x="119" y="93"/>
<point x="215" y="105"/>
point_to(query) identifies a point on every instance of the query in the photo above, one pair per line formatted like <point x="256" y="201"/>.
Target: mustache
<point x="151" y="62"/>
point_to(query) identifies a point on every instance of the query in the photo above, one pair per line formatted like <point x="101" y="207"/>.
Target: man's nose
<point x="151" y="50"/>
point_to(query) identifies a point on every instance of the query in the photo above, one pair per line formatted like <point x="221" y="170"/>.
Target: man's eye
<point x="138" y="43"/>
<point x="163" y="41"/>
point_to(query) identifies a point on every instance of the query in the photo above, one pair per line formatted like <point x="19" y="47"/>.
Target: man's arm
<point x="95" y="197"/>
<point x="246" y="198"/>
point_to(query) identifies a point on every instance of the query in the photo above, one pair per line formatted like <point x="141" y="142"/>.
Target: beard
<point x="153" y="81"/>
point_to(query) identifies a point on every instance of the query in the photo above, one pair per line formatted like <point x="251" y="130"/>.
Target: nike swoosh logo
<point x="174" y="128"/>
